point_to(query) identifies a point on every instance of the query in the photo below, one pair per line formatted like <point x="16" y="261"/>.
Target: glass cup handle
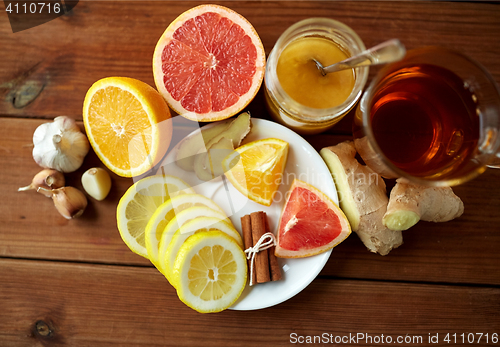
<point x="495" y="164"/>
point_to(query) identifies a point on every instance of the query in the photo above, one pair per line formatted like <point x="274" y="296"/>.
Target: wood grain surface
<point x="67" y="304"/>
<point x="432" y="252"/>
<point x="56" y="63"/>
<point x="75" y="283"/>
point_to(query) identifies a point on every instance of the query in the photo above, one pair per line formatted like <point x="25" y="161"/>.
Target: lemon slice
<point x="165" y="213"/>
<point x="192" y="227"/>
<point x="211" y="271"/>
<point x="178" y="221"/>
<point x="126" y="123"/>
<point x="139" y="203"/>
<point x="256" y="168"/>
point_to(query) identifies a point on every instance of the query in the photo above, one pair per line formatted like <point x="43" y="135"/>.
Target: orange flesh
<point x="120" y="126"/>
<point x="262" y="180"/>
<point x="307" y="222"/>
<point x="209" y="63"/>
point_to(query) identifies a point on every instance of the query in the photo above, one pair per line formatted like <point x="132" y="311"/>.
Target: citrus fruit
<point x="311" y="223"/>
<point x="126" y="124"/>
<point x="256" y="168"/>
<point x="209" y="63"/>
<point x="139" y="203"/>
<point x="199" y="224"/>
<point x="165" y="213"/>
<point x="211" y="271"/>
<point x="178" y="221"/>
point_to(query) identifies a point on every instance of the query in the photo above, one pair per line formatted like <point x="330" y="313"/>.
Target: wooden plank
<point x="32" y="228"/>
<point x="460" y="251"/>
<point x="97" y="305"/>
<point x="54" y="64"/>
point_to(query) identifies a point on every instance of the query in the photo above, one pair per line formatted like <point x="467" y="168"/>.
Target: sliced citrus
<point x="192" y="227"/>
<point x="211" y="271"/>
<point x="139" y="203"/>
<point x="165" y="213"/>
<point x="311" y="223"/>
<point x="178" y="221"/>
<point x="209" y="63"/>
<point x="256" y="168"/>
<point x="127" y="124"/>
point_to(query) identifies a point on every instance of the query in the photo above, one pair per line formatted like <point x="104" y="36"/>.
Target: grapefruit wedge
<point x="311" y="223"/>
<point x="209" y="63"/>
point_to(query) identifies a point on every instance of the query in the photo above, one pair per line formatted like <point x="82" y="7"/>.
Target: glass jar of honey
<point x="297" y="94"/>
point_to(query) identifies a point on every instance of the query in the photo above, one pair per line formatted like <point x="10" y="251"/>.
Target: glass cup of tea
<point x="433" y="118"/>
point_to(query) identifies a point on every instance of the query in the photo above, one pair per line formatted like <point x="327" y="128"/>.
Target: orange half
<point x="127" y="123"/>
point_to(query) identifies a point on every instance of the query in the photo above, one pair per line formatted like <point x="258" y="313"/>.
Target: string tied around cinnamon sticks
<point x="262" y="262"/>
<point x="266" y="241"/>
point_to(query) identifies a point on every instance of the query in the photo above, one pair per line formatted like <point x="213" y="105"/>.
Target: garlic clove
<point x="69" y="201"/>
<point x="60" y="145"/>
<point x="97" y="183"/>
<point x="47" y="178"/>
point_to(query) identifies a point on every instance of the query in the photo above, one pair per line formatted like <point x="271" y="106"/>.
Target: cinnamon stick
<point x="274" y="267"/>
<point x="246" y="227"/>
<point x="261" y="266"/>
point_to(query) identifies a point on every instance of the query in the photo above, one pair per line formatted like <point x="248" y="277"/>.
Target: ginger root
<point x="409" y="203"/>
<point x="372" y="159"/>
<point x="362" y="196"/>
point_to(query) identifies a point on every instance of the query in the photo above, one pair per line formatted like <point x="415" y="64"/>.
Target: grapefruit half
<point x="311" y="223"/>
<point x="209" y="63"/>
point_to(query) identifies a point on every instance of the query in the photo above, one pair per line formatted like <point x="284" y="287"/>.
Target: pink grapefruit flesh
<point x="209" y="63"/>
<point x="311" y="223"/>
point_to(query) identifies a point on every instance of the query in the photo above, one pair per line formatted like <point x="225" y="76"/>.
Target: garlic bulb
<point x="96" y="182"/>
<point x="60" y="145"/>
<point x="47" y="178"/>
<point x="69" y="201"/>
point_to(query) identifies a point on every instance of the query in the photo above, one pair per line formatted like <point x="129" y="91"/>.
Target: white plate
<point x="303" y="163"/>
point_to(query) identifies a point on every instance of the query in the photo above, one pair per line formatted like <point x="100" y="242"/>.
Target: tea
<point x="424" y="120"/>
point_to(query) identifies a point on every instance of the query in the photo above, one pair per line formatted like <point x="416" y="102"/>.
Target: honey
<point x="296" y="93"/>
<point x="303" y="82"/>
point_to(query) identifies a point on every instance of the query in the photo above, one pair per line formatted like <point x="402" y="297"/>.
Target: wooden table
<point x="75" y="283"/>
